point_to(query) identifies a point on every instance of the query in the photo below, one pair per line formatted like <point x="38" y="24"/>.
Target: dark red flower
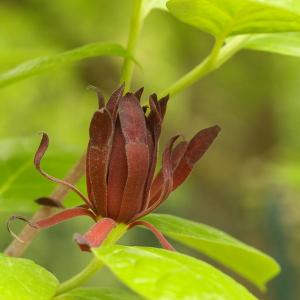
<point x="120" y="166"/>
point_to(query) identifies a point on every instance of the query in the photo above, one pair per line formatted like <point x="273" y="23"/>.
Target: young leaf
<point x="162" y="274"/>
<point x="233" y="17"/>
<point x="20" y="183"/>
<point x="97" y="294"/>
<point x="45" y="63"/>
<point x="250" y="263"/>
<point x="281" y="43"/>
<point x="23" y="279"/>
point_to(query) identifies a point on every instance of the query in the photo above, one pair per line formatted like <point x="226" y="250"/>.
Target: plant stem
<point x="94" y="265"/>
<point x="217" y="58"/>
<point x="135" y="29"/>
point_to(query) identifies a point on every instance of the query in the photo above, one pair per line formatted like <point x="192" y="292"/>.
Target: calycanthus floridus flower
<point x="120" y="167"/>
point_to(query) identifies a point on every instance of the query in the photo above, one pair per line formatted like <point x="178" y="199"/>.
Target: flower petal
<point x="167" y="186"/>
<point x="96" y="235"/>
<point x="117" y="174"/>
<point x="62" y="216"/>
<point x="52" y="220"/>
<point x="134" y="130"/>
<point x="157" y="184"/>
<point x="37" y="162"/>
<point x="163" y="105"/>
<point x="138" y="93"/>
<point x="98" y="153"/>
<point x="113" y="102"/>
<point x="195" y="150"/>
<point x="154" y="122"/>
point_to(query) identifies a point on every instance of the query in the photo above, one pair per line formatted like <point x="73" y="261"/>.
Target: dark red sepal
<point x="62" y="216"/>
<point x="163" y="241"/>
<point x="96" y="235"/>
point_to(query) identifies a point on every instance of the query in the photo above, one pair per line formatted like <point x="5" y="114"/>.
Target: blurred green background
<point x="247" y="184"/>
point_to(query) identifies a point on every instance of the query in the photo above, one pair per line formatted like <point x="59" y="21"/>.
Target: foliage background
<point x="248" y="183"/>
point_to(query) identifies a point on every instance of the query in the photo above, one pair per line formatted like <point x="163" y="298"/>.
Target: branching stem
<point x="217" y="58"/>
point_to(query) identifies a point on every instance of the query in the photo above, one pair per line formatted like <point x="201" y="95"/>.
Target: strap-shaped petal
<point x="117" y="175"/>
<point x="96" y="235"/>
<point x="134" y="130"/>
<point x="98" y="153"/>
<point x="195" y="150"/>
<point x="167" y="172"/>
<point x="138" y="93"/>
<point x="62" y="216"/>
<point x="157" y="184"/>
<point x="113" y="102"/>
<point x="154" y="122"/>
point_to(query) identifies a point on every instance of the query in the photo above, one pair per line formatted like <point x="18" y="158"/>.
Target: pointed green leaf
<point x="97" y="294"/>
<point x="20" y="183"/>
<point x="22" y="279"/>
<point x="223" y="18"/>
<point x="161" y="274"/>
<point x="280" y="43"/>
<point x="45" y="63"/>
<point x="250" y="263"/>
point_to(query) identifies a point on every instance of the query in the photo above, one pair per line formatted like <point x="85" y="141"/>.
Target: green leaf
<point x="22" y="279"/>
<point x="153" y="4"/>
<point x="252" y="264"/>
<point x="161" y="274"/>
<point x="20" y="183"/>
<point x="280" y="43"/>
<point x="97" y="294"/>
<point x="223" y="18"/>
<point x="45" y="63"/>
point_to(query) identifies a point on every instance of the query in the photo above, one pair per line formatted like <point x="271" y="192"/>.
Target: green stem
<point x="217" y="58"/>
<point x="94" y="265"/>
<point x="135" y="29"/>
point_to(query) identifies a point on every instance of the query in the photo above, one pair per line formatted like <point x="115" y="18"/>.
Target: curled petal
<point x="37" y="162"/>
<point x="195" y="150"/>
<point x="96" y="235"/>
<point x="98" y="153"/>
<point x="13" y="218"/>
<point x="163" y="241"/>
<point x="62" y="216"/>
